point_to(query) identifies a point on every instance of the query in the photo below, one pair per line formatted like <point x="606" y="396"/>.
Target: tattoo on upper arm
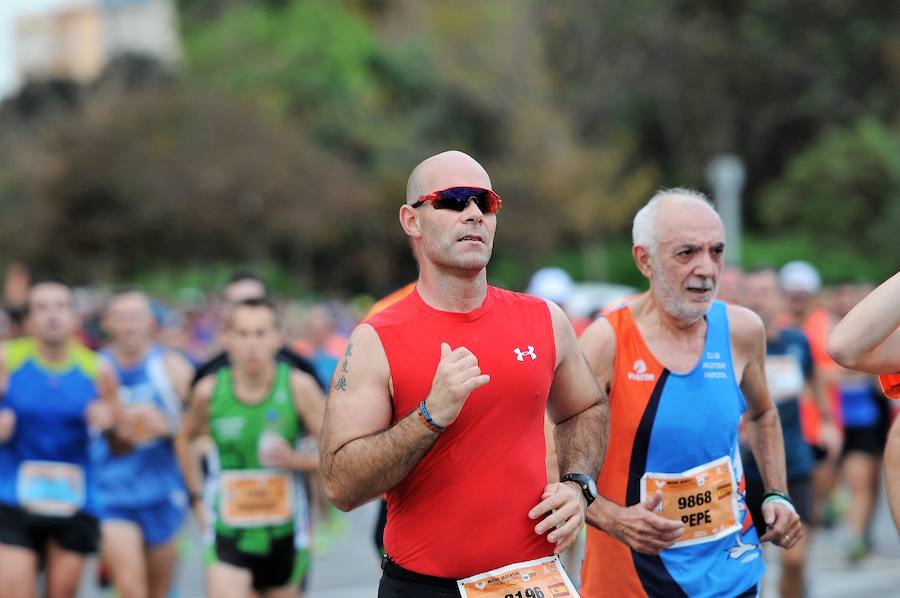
<point x="341" y="382"/>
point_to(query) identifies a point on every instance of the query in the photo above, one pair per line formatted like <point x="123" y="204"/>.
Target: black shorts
<point x="389" y="587"/>
<point x="283" y="565"/>
<point x="77" y="533"/>
<point x="801" y="492"/>
<point x="870" y="440"/>
<point x="398" y="582"/>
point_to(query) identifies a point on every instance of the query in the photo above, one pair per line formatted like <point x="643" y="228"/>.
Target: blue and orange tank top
<point x="665" y="423"/>
<point x="45" y="465"/>
<point x="464" y="508"/>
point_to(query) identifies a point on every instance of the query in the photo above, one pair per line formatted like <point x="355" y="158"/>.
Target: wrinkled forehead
<point x="689" y="222"/>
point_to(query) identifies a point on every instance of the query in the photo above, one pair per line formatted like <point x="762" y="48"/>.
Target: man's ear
<point x="642" y="259"/>
<point x="409" y="220"/>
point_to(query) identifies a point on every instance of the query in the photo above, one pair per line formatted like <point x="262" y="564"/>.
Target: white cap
<point x="799" y="277"/>
<point x="554" y="284"/>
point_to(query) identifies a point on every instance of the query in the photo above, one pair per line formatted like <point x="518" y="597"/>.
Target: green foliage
<point x="844" y="195"/>
<point x="758" y="78"/>
<point x="319" y="63"/>
<point x="289" y="131"/>
<point x="835" y="262"/>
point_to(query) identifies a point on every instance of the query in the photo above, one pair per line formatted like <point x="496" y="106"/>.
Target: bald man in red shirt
<point x="440" y="399"/>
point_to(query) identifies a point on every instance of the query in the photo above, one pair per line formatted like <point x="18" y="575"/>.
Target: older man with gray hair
<point x="681" y="369"/>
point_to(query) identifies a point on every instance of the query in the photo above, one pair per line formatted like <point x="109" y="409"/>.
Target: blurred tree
<point x="759" y="78"/>
<point x="289" y="131"/>
<point x="142" y="178"/>
<point x="843" y="192"/>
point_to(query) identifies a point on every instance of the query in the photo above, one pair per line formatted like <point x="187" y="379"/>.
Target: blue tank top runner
<point x="149" y="474"/>
<point x="45" y="466"/>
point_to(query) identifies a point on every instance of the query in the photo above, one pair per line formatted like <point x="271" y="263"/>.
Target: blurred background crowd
<point x="164" y="144"/>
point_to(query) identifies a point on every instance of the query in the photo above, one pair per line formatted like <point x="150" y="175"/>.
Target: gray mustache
<point x="705" y="284"/>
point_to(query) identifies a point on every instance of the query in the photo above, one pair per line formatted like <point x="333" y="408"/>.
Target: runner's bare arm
<point x="7" y="416"/>
<point x="892" y="471"/>
<point x="552" y="463"/>
<point x="107" y="414"/>
<point x="363" y="455"/>
<point x="181" y="372"/>
<point x="580" y="411"/>
<point x="310" y="405"/>
<point x="637" y="526"/>
<point x="194" y="423"/>
<point x="577" y="404"/>
<point x="309" y="401"/>
<point x="868" y="338"/>
<point x="748" y="342"/>
<point x="830" y="437"/>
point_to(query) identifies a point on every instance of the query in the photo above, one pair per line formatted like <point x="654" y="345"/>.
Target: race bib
<point x="540" y="578"/>
<point x="256" y="498"/>
<point x="703" y="498"/>
<point x="784" y="377"/>
<point x="50" y="487"/>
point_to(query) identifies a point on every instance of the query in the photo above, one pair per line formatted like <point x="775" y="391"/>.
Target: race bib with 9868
<point x="254" y="498"/>
<point x="540" y="578"/>
<point x="704" y="498"/>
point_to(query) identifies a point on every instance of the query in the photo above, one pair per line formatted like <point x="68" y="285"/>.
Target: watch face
<point x="587" y="483"/>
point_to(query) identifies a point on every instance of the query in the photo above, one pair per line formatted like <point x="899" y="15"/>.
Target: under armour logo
<point x="520" y="354"/>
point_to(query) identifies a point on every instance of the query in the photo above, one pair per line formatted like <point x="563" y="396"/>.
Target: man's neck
<point x="676" y="344"/>
<point x="453" y="292"/>
<point x="652" y="312"/>
<point x="252" y="385"/>
<point x="129" y="356"/>
<point x="53" y="353"/>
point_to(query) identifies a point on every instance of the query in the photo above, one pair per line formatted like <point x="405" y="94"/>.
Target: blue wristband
<point x="427" y="417"/>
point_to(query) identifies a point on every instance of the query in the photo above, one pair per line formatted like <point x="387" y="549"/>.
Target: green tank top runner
<point x="237" y="428"/>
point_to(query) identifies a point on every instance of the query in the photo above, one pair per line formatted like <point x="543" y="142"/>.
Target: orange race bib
<point x="540" y="578"/>
<point x="255" y="498"/>
<point x="703" y="498"/>
<point x="50" y="487"/>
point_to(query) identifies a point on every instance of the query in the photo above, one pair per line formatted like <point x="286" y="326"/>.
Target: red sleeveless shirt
<point x="464" y="508"/>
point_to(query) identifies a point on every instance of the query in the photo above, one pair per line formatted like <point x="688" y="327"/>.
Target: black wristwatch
<point x="587" y="483"/>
